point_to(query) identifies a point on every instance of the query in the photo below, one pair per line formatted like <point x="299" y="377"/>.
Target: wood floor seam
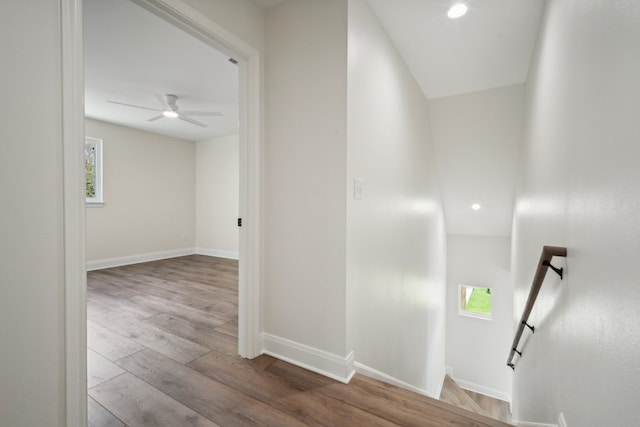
<point x="172" y="327"/>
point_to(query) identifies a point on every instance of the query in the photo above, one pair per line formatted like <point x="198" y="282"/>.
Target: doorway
<point x="191" y="21"/>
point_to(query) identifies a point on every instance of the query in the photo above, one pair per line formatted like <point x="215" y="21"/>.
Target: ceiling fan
<point x="170" y="109"/>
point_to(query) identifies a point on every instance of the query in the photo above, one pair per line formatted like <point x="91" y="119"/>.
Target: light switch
<point x="357" y="188"/>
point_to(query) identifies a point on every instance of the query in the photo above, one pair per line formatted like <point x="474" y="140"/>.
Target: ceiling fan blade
<point x="192" y="121"/>
<point x="134" y="106"/>
<point x="163" y="102"/>
<point x="153" y="119"/>
<point x="201" y="113"/>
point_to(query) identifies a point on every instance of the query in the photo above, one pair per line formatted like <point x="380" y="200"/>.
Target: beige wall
<point x="240" y="17"/>
<point x="395" y="233"/>
<point x="32" y="316"/>
<point x="305" y="164"/>
<point x="217" y="191"/>
<point x="149" y="193"/>
<point x="32" y="322"/>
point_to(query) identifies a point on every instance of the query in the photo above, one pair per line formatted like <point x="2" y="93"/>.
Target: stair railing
<point x="548" y="252"/>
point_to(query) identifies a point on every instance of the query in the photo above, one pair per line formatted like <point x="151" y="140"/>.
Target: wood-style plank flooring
<point x="162" y="351"/>
<point x="475" y="402"/>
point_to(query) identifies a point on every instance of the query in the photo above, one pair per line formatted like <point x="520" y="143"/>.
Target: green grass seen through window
<point x="480" y="301"/>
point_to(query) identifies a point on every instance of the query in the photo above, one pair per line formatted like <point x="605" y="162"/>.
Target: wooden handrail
<point x="548" y="252"/>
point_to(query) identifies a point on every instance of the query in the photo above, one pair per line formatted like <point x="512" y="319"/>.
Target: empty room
<point x="319" y="212"/>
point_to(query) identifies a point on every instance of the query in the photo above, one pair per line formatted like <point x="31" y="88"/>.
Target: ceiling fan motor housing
<point x="171" y="102"/>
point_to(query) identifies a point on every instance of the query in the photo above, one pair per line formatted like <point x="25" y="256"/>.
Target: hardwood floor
<point x="475" y="402"/>
<point x="162" y="340"/>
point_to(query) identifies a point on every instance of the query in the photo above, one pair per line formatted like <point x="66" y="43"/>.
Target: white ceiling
<point x="489" y="47"/>
<point x="131" y="55"/>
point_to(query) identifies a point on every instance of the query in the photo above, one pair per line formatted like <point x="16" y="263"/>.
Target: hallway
<point x="162" y="351"/>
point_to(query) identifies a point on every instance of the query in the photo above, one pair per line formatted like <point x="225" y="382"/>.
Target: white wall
<point x="477" y="348"/>
<point x="305" y="160"/>
<point x="395" y="233"/>
<point x="217" y="196"/>
<point x="476" y="138"/>
<point x="579" y="188"/>
<point x="149" y="193"/>
<point x="31" y="220"/>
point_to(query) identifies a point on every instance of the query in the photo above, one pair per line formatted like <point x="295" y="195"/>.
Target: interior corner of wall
<point x="313" y="359"/>
<point x="381" y="376"/>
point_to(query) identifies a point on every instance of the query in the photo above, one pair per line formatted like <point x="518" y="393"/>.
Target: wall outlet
<point x="185" y="237"/>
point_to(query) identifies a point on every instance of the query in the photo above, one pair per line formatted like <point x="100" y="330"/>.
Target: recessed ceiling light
<point x="457" y="10"/>
<point x="171" y="114"/>
<point x="476" y="206"/>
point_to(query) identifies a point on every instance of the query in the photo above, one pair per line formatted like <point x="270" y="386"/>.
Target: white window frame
<point x="98" y="200"/>
<point x="464" y="312"/>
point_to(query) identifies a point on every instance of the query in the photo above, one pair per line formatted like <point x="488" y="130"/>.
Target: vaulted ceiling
<point x="489" y="47"/>
<point x="480" y="54"/>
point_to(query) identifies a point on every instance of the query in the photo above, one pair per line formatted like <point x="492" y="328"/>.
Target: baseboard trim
<point x="137" y="259"/>
<point x="381" y="376"/>
<point x="477" y="388"/>
<point x="445" y="370"/>
<point x="307" y="357"/>
<point x="218" y="253"/>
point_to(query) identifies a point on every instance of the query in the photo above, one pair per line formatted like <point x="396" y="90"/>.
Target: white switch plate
<point x="357" y="188"/>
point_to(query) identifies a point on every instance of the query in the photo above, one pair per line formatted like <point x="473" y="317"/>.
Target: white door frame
<point x="187" y="18"/>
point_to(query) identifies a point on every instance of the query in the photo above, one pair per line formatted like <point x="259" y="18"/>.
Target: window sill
<point x="476" y="315"/>
<point x="94" y="204"/>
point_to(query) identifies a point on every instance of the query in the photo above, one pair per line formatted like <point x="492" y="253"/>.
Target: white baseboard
<point x="445" y="372"/>
<point x="381" y="376"/>
<point x="319" y="361"/>
<point x="497" y="394"/>
<point x="218" y="253"/>
<point x="155" y="256"/>
<point x="136" y="259"/>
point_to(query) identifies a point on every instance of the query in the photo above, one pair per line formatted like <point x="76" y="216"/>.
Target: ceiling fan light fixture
<point x="457" y="10"/>
<point x="170" y="109"/>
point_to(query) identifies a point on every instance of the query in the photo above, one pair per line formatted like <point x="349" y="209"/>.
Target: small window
<point x="474" y="301"/>
<point x="93" y="170"/>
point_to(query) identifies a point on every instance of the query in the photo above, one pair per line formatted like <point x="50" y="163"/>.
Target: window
<point x="93" y="170"/>
<point x="474" y="301"/>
